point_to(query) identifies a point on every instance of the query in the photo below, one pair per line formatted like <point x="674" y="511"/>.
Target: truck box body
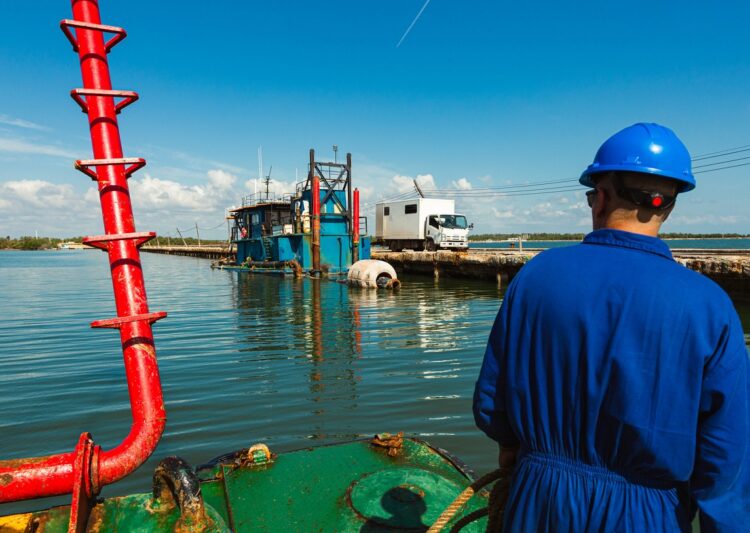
<point x="406" y="219"/>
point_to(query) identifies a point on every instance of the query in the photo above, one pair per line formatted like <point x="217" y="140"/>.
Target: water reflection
<point x="310" y="323"/>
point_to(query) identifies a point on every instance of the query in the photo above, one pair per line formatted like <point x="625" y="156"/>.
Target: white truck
<point x="421" y="224"/>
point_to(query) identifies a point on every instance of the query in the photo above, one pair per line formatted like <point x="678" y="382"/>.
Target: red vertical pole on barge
<point x="355" y="227"/>
<point x="315" y="213"/>
<point x="88" y="468"/>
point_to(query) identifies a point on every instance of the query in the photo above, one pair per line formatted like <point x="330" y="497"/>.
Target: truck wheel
<point x="429" y="245"/>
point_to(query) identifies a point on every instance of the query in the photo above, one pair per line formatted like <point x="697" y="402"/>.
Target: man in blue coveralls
<point x="614" y="378"/>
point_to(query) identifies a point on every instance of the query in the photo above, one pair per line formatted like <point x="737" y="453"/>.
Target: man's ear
<point x="602" y="199"/>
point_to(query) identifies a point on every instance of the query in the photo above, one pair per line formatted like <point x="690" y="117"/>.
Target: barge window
<point x="410" y="209"/>
<point x="387" y="210"/>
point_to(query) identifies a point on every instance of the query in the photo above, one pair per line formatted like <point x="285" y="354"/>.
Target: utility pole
<point x="229" y="236"/>
<point x="181" y="237"/>
<point x="268" y="180"/>
<point x="419" y="191"/>
<point x="197" y="233"/>
<point x="335" y="153"/>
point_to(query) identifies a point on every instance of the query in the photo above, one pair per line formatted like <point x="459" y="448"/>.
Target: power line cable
<point x="215" y="227"/>
<point x="723" y="162"/>
<point x="722" y="168"/>
<point x="433" y="193"/>
<point x="719" y="153"/>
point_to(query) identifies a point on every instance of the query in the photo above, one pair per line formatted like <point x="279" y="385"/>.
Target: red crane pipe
<point x="52" y="475"/>
<point x="355" y="226"/>
<point x="315" y="206"/>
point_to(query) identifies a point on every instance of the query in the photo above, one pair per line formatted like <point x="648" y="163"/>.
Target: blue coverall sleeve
<point x="489" y="392"/>
<point x="720" y="483"/>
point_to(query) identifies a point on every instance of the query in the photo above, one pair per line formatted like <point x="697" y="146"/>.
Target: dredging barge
<point x="315" y="230"/>
<point x="387" y="483"/>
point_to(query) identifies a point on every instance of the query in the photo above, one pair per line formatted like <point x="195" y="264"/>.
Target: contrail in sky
<point x="413" y="22"/>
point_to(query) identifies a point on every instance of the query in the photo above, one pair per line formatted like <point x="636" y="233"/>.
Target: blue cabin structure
<point x="277" y="233"/>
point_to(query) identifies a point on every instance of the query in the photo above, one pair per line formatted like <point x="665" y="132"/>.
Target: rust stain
<point x="392" y="443"/>
<point x="5" y="479"/>
<point x="96" y="519"/>
<point x="149" y="350"/>
<point x="17" y="463"/>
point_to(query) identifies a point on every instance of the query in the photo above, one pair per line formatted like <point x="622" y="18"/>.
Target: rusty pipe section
<point x="53" y="475"/>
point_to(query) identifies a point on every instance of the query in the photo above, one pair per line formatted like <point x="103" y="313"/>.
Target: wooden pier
<point x="206" y="252"/>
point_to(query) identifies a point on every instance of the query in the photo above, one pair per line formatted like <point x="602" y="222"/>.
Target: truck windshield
<point x="453" y="221"/>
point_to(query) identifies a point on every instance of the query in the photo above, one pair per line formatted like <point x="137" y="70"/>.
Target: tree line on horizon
<point x="579" y="236"/>
<point x="50" y="243"/>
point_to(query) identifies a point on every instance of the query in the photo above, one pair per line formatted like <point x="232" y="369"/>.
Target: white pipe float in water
<point x="373" y="274"/>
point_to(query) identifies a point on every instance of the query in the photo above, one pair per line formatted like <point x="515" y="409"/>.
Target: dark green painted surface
<point x="312" y="489"/>
<point x="350" y="487"/>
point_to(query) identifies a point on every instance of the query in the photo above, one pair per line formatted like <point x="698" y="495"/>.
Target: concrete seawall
<point x="729" y="268"/>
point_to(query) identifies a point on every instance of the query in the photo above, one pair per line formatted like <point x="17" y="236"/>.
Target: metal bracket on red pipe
<point x="102" y="241"/>
<point x="134" y="162"/>
<point x="120" y="320"/>
<point x="128" y="97"/>
<point x="85" y="486"/>
<point x="66" y="24"/>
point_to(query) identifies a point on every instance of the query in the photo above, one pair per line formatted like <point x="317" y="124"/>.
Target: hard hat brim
<point x="685" y="183"/>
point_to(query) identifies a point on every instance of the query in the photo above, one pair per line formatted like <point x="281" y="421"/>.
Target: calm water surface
<point x="243" y="359"/>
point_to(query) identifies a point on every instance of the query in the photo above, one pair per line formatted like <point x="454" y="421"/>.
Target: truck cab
<point x="446" y="231"/>
<point x="421" y="224"/>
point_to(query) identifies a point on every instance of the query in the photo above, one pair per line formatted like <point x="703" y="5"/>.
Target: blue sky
<point x="479" y="94"/>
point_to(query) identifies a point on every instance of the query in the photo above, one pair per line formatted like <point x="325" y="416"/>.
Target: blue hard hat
<point x="643" y="147"/>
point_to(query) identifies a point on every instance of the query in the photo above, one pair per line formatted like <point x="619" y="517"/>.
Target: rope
<point x="495" y="506"/>
<point x="498" y="499"/>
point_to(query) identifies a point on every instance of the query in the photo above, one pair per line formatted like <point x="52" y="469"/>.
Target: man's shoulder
<point x="557" y="255"/>
<point x="672" y="276"/>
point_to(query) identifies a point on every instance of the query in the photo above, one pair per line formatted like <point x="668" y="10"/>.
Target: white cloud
<point x="21" y="123"/>
<point x="503" y="213"/>
<point x="49" y="208"/>
<point x="462" y="184"/>
<point x="708" y="219"/>
<point x="159" y="204"/>
<point x="19" y="146"/>
<point x="221" y="179"/>
<point x="276" y="188"/>
<point x="167" y="195"/>
<point x="403" y="184"/>
<point x="37" y="193"/>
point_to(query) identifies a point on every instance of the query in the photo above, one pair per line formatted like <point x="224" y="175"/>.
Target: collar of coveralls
<point x="626" y="239"/>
